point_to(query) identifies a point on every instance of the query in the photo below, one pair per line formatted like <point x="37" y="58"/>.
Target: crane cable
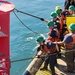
<point x="25" y="24"/>
<point x="22" y="59"/>
<point x="42" y="19"/>
<point x="40" y="56"/>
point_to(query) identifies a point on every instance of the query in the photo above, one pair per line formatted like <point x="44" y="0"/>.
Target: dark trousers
<point x="69" y="56"/>
<point x="51" y="60"/>
<point x="62" y="34"/>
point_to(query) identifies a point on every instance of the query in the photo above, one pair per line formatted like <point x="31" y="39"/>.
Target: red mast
<point x="5" y="9"/>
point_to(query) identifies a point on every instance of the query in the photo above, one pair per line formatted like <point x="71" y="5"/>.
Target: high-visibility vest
<point x="50" y="50"/>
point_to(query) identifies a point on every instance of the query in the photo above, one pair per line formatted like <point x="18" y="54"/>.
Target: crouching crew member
<point x="49" y="48"/>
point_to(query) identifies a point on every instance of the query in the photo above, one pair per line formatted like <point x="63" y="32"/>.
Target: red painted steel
<point x="5" y="9"/>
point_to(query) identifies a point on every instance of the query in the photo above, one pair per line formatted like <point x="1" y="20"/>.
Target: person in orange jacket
<point x="51" y="50"/>
<point x="54" y="15"/>
<point x="62" y="17"/>
<point x="69" y="42"/>
<point x="63" y="29"/>
<point x="53" y="34"/>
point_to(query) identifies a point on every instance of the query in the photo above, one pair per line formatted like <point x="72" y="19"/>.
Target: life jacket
<point x="64" y="14"/>
<point x="63" y="20"/>
<point x="55" y="38"/>
<point x="71" y="44"/>
<point x="48" y="50"/>
<point x="59" y="24"/>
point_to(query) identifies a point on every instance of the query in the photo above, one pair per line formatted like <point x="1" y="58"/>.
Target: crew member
<point x="49" y="48"/>
<point x="53" y="34"/>
<point x="55" y="20"/>
<point x="63" y="27"/>
<point x="53" y="15"/>
<point x="69" y="41"/>
<point x="71" y="10"/>
<point x="58" y="7"/>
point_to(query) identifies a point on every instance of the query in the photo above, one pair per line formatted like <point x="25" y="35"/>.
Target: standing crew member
<point x="53" y="34"/>
<point x="57" y="26"/>
<point x="71" y="10"/>
<point x="59" y="11"/>
<point x="69" y="41"/>
<point x="55" y="20"/>
<point x="63" y="28"/>
<point x="49" y="48"/>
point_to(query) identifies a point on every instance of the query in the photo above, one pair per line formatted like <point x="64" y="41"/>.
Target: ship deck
<point x="59" y="70"/>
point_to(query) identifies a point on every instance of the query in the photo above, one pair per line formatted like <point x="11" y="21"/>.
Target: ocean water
<point x="22" y="40"/>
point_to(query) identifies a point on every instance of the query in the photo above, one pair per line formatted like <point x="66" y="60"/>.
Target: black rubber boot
<point x="53" y="72"/>
<point x="44" y="68"/>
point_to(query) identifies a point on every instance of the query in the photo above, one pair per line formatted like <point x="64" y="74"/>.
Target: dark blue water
<point x="22" y="40"/>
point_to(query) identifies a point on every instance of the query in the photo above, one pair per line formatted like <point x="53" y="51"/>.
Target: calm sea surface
<point x="22" y="40"/>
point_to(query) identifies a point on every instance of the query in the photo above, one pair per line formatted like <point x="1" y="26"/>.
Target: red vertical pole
<point x="5" y="10"/>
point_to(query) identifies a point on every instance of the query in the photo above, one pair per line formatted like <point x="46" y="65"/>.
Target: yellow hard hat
<point x="57" y="7"/>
